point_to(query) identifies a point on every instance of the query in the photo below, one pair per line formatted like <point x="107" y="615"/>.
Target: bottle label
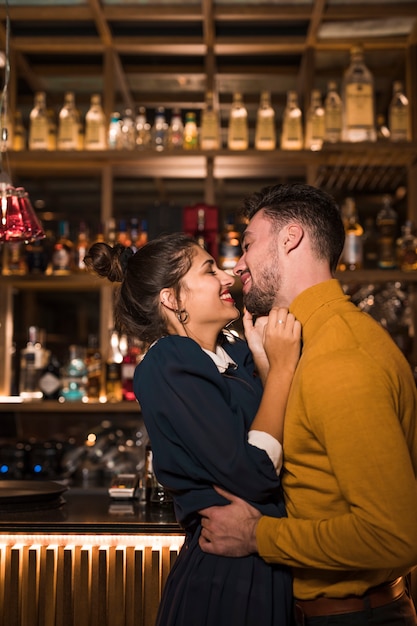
<point x="359" y="106"/>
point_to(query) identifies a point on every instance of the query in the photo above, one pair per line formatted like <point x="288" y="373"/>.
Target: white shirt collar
<point x="221" y="359"/>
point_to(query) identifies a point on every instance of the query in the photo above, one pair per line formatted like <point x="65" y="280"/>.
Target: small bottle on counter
<point x="33" y="359"/>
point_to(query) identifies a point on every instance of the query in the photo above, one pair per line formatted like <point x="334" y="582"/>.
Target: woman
<point x="199" y="392"/>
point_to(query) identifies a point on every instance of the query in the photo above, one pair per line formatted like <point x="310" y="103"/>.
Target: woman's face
<point x="205" y="294"/>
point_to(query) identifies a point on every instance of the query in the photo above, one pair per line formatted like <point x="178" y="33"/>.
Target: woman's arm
<point x="281" y="340"/>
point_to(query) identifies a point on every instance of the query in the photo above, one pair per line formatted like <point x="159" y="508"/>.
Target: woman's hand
<point x="282" y="339"/>
<point x="254" y="334"/>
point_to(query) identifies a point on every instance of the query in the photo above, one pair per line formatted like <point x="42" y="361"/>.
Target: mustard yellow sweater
<point x="350" y="454"/>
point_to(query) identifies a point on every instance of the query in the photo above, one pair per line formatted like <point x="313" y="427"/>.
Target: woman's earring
<point x="182" y="316"/>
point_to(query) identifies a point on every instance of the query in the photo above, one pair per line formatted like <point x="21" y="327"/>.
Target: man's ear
<point x="168" y="299"/>
<point x="294" y="234"/>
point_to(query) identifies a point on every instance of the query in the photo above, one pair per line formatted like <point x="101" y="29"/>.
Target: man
<point x="350" y="434"/>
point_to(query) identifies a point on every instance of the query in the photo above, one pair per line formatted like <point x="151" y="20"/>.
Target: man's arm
<point x="229" y="530"/>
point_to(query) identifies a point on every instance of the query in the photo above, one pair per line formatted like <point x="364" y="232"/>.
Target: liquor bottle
<point x="68" y="124"/>
<point x="383" y="133"/>
<point x="14" y="259"/>
<point x="36" y="257"/>
<point x="94" y="363"/>
<point x="159" y="130"/>
<point x="128" y="130"/>
<point x="315" y="124"/>
<point x="238" y="131"/>
<point x="50" y="379"/>
<point x="370" y="244"/>
<point x="38" y="124"/>
<point x="190" y="141"/>
<point x="143" y="234"/>
<point x="63" y="252"/>
<point x="386" y="223"/>
<point x="358" y="100"/>
<point x="19" y="133"/>
<point x="352" y="255"/>
<point x="229" y="245"/>
<point x="6" y="132"/>
<point x="52" y="130"/>
<point x="113" y="376"/>
<point x="176" y="131"/>
<point x="127" y="370"/>
<point x="210" y="125"/>
<point x="122" y="234"/>
<point x="333" y="114"/>
<point x="399" y="114"/>
<point x="292" y="124"/>
<point x="265" y="134"/>
<point x="74" y="376"/>
<point x="81" y="247"/>
<point x="33" y="359"/>
<point x="407" y="248"/>
<point x="155" y="493"/>
<point x="114" y="132"/>
<point x="95" y="125"/>
<point x="200" y="234"/>
<point x="143" y="130"/>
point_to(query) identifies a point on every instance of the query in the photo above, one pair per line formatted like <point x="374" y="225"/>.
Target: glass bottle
<point x="127" y="370"/>
<point x="370" y="244"/>
<point x="95" y="125"/>
<point x="113" y="376"/>
<point x="52" y="130"/>
<point x="407" y="247"/>
<point x="74" y="376"/>
<point x="159" y="130"/>
<point x="352" y="255"/>
<point x="314" y="134"/>
<point x="358" y="100"/>
<point x="210" y="125"/>
<point x="143" y="129"/>
<point x="333" y="112"/>
<point x="50" y="379"/>
<point x="265" y="134"/>
<point x="200" y="233"/>
<point x="382" y="131"/>
<point x="38" y="124"/>
<point x="63" y="252"/>
<point x="399" y="114"/>
<point x="114" y="140"/>
<point x="176" y="130"/>
<point x="238" y="131"/>
<point x="94" y="365"/>
<point x="229" y="244"/>
<point x="33" y="359"/>
<point x="190" y="141"/>
<point x="81" y="247"/>
<point x="292" y="124"/>
<point x="14" y="259"/>
<point x="19" y="133"/>
<point x="128" y="130"/>
<point x="68" y="124"/>
<point x="386" y="223"/>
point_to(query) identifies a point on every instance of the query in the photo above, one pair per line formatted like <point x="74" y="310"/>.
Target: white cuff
<point x="267" y="442"/>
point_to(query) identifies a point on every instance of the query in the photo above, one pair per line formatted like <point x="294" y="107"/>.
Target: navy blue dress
<point x="197" y="420"/>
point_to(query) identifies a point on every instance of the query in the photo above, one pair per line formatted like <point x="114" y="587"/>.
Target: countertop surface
<point x="85" y="510"/>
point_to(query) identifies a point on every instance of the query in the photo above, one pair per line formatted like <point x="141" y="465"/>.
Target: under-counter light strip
<point x="156" y="542"/>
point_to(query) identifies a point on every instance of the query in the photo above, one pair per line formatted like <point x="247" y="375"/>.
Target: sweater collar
<point x="311" y="306"/>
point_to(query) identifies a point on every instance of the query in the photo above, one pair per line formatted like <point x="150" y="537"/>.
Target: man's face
<point x="258" y="266"/>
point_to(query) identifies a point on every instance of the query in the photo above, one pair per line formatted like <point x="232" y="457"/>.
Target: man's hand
<point x="229" y="530"/>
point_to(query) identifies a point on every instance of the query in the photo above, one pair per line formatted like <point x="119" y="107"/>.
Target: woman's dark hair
<point x="160" y="264"/>
<point x="315" y="209"/>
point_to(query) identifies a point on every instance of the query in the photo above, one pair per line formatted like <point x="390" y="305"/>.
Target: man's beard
<point x="261" y="297"/>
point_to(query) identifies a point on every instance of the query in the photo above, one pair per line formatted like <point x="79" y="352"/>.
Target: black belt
<point x="371" y="599"/>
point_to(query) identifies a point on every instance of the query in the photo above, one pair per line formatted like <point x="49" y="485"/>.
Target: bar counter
<point x="84" y="559"/>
